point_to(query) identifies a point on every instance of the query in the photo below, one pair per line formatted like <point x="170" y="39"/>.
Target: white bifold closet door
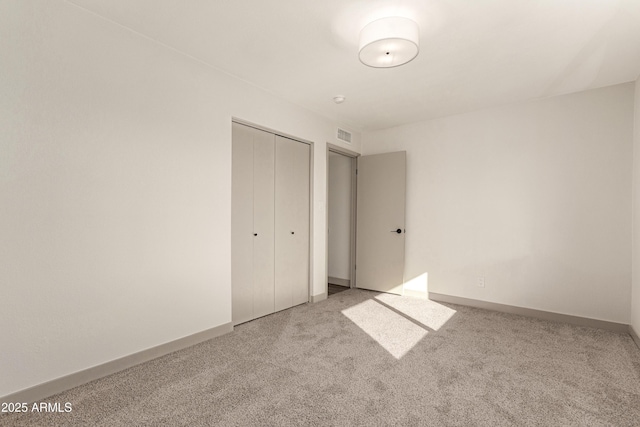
<point x="263" y="224"/>
<point x="252" y="223"/>
<point x="270" y="223"/>
<point x="292" y="223"/>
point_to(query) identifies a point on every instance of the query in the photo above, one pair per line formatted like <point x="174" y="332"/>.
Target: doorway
<point x="341" y="208"/>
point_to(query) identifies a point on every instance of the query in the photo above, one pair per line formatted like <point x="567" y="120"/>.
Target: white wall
<point x="115" y="190"/>
<point x="535" y="197"/>
<point x="339" y="202"/>
<point x="635" y="297"/>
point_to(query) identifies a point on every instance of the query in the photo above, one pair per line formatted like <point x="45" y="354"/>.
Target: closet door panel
<point x="263" y="223"/>
<point x="301" y="219"/>
<point x="242" y="225"/>
<point x="292" y="223"/>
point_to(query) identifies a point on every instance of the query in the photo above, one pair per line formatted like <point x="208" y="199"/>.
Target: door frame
<point x="352" y="224"/>
<point x="311" y="178"/>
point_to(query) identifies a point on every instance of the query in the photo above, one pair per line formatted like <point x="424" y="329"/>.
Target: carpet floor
<point x="334" y="289"/>
<point x="367" y="359"/>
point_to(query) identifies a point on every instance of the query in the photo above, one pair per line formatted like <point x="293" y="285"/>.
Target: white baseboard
<point x="58" y="385"/>
<point x="318" y="298"/>
<point x="634" y="335"/>
<point x="415" y="294"/>
<point x="529" y="312"/>
<point x="339" y="282"/>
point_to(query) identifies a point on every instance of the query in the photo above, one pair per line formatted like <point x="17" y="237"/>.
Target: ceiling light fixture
<point x="389" y="42"/>
<point x="339" y="99"/>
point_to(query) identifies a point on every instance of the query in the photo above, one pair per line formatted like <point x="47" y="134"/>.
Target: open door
<point x="380" y="222"/>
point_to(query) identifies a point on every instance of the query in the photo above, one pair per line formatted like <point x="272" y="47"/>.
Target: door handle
<point x="399" y="231"/>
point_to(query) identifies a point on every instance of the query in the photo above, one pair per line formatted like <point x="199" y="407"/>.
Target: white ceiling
<point x="473" y="53"/>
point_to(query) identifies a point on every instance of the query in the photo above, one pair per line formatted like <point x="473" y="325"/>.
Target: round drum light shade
<point x="389" y="42"/>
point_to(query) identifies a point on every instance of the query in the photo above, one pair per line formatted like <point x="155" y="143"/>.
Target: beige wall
<point x="339" y="209"/>
<point x="534" y="197"/>
<point x="635" y="297"/>
<point x="115" y="190"/>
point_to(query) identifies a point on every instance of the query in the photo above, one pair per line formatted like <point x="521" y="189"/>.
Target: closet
<point x="270" y="223"/>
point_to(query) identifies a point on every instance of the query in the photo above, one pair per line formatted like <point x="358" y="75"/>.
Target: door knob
<point x="255" y="234"/>
<point x="292" y="232"/>
<point x="399" y="230"/>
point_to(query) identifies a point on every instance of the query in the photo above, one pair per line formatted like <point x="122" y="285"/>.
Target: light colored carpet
<point x="362" y="358"/>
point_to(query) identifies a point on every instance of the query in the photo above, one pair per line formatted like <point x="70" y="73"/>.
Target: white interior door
<point x="291" y="223"/>
<point x="380" y="222"/>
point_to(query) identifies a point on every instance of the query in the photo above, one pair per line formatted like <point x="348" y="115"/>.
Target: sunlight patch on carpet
<point x="393" y="332"/>
<point x="429" y="313"/>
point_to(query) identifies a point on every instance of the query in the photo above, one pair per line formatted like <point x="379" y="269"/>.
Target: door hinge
<point x="356" y="171"/>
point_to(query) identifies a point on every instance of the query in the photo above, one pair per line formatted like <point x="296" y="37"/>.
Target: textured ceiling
<point x="473" y="53"/>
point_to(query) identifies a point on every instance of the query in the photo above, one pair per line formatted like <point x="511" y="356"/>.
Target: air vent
<point x="344" y="135"/>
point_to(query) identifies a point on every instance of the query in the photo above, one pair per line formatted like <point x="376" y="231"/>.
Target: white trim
<point x="529" y="312"/>
<point x="342" y="150"/>
<point x="634" y="335"/>
<point x="318" y="298"/>
<point x="58" y="385"/>
<point x="339" y="282"/>
<point x="269" y="130"/>
<point x="354" y="188"/>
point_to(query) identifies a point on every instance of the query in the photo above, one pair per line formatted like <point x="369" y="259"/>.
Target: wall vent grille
<point x="344" y="136"/>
